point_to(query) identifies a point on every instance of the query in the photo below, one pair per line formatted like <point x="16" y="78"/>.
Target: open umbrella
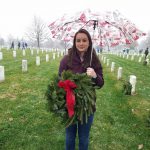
<point x="107" y="29"/>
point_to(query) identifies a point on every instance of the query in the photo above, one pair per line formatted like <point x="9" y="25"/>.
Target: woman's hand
<point x="90" y="72"/>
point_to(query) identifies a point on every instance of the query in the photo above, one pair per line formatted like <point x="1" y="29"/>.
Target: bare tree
<point x="146" y="42"/>
<point x="134" y="45"/>
<point x="2" y="41"/>
<point x="38" y="32"/>
<point x="10" y="39"/>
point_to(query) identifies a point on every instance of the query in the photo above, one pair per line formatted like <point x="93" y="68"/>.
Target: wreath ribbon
<point x="68" y="86"/>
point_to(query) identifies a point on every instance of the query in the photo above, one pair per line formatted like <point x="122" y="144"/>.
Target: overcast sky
<point x="17" y="15"/>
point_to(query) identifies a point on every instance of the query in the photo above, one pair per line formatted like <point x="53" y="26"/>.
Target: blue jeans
<point x="83" y="134"/>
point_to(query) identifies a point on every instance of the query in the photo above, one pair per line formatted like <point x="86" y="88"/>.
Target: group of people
<point x="21" y="45"/>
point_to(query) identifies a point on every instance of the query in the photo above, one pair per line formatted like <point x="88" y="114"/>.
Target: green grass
<point x="26" y="124"/>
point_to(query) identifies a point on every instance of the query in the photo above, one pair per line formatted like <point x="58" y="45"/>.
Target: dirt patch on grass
<point x="9" y="96"/>
<point x="140" y="107"/>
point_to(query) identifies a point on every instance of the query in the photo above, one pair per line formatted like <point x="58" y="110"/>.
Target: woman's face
<point x="82" y="42"/>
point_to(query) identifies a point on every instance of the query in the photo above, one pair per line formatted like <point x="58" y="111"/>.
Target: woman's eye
<point x="84" y="40"/>
<point x="81" y="40"/>
<point x="78" y="40"/>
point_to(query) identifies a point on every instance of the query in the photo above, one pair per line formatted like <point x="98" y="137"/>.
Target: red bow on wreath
<point x="68" y="86"/>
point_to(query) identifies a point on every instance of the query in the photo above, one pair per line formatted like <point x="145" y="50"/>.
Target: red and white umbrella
<point x="107" y="29"/>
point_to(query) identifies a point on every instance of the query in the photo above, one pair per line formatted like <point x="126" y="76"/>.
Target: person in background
<point x="78" y="60"/>
<point x="26" y="45"/>
<point x="146" y="53"/>
<point x="23" y="45"/>
<point x="12" y="45"/>
<point x="19" y="45"/>
<point x="140" y="51"/>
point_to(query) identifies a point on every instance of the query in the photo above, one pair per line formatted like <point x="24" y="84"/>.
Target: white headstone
<point x="112" y="66"/>
<point x="47" y="57"/>
<point x="147" y="60"/>
<point x="14" y="54"/>
<point x="31" y="51"/>
<point x="37" y="51"/>
<point x="119" y="76"/>
<point x="53" y="55"/>
<point x="23" y="52"/>
<point x="140" y="59"/>
<point x="104" y="60"/>
<point x="2" y="74"/>
<point x="107" y="62"/>
<point x="133" y="83"/>
<point x="132" y="58"/>
<point x="1" y="55"/>
<point x="37" y="60"/>
<point x="24" y="66"/>
<point x="58" y="54"/>
<point x="61" y="53"/>
<point x="127" y="56"/>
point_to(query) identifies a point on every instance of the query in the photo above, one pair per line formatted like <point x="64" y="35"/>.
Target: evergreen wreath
<point x="83" y="90"/>
<point x="127" y="87"/>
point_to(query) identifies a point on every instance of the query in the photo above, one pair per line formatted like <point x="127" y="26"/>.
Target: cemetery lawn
<point x="122" y="122"/>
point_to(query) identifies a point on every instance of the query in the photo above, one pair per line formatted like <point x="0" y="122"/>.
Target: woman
<point x="79" y="60"/>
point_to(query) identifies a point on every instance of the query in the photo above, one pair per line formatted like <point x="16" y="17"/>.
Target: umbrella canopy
<point x="107" y="29"/>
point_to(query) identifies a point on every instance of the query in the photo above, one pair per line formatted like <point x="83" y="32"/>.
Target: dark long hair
<point x="87" y="56"/>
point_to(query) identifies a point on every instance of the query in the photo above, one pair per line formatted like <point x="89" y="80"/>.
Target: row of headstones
<point x="130" y="53"/>
<point x="24" y="53"/>
<point x="43" y="49"/>
<point x="132" y="56"/>
<point x="25" y="65"/>
<point x="132" y="78"/>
